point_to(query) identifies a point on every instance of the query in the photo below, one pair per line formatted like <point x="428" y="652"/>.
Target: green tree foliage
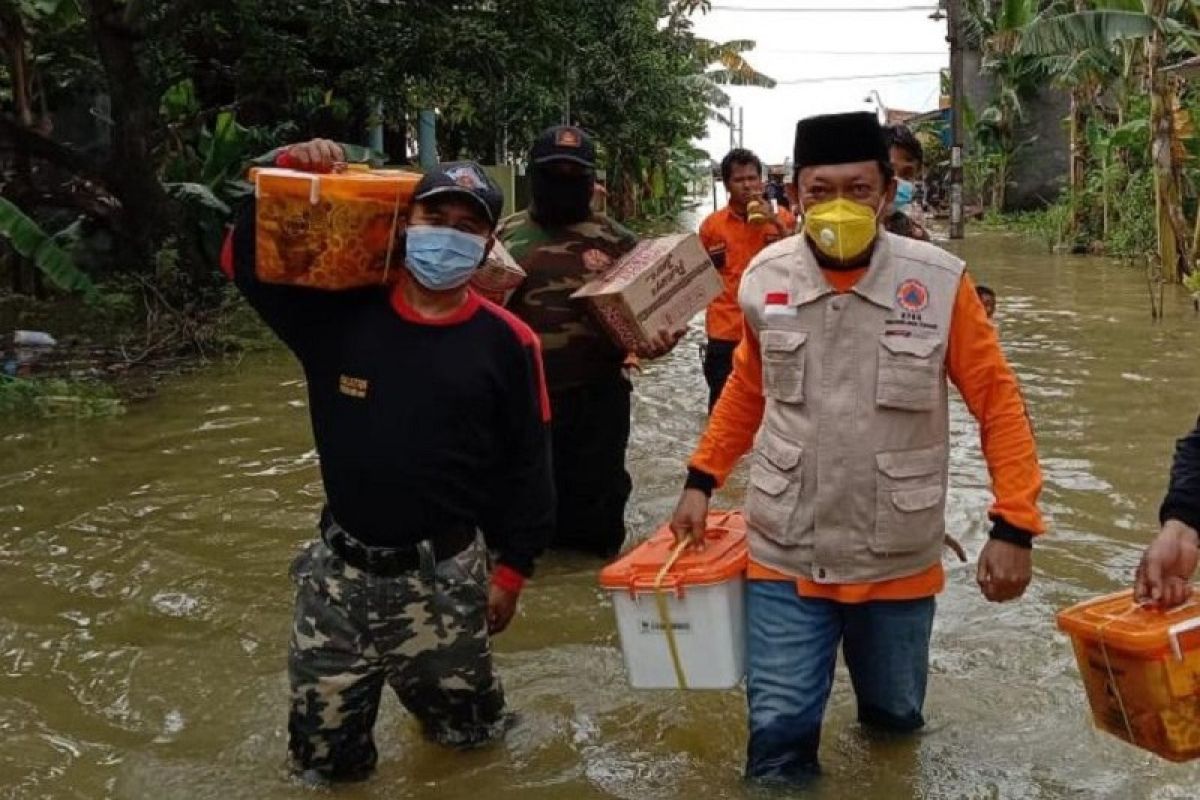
<point x="185" y="91"/>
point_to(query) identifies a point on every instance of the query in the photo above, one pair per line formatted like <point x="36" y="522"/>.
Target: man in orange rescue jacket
<point x="732" y="238"/>
<point x="840" y="384"/>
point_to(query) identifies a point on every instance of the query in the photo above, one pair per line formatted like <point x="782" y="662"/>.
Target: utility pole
<point x="427" y="153"/>
<point x="741" y="126"/>
<point x="732" y="127"/>
<point x="375" y="132"/>
<point x="954" y="37"/>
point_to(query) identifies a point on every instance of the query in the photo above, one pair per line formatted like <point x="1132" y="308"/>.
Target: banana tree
<point x="731" y="69"/>
<point x="734" y="69"/>
<point x="1078" y="48"/>
<point x="996" y="30"/>
<point x="1104" y="143"/>
<point x="1094" y="43"/>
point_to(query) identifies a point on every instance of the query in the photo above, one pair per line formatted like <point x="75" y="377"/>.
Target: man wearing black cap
<point x="561" y="244"/>
<point x="840" y="385"/>
<point x="430" y="416"/>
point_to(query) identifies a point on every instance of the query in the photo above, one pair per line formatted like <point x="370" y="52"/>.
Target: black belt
<point x="387" y="561"/>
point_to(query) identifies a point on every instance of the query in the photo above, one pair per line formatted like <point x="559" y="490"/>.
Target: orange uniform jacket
<point x="975" y="364"/>
<point x="732" y="243"/>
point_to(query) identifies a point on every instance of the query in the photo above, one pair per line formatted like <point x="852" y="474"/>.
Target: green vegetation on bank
<point x="1133" y="188"/>
<point x="57" y="397"/>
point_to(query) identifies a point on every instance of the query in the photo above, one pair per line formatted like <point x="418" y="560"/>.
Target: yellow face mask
<point x="841" y="228"/>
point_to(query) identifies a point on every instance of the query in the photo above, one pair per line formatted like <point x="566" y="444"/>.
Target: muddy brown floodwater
<point x="144" y="605"/>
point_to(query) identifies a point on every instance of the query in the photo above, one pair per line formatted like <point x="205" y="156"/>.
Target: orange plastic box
<point x="330" y="231"/>
<point x="1141" y="670"/>
<point x="683" y="626"/>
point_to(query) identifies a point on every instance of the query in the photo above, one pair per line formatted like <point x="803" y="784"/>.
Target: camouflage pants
<point x="423" y="632"/>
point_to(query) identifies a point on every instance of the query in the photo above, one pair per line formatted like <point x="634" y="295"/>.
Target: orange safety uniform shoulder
<point x="732" y="243"/>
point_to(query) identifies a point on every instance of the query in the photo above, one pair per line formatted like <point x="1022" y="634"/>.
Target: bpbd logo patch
<point x="912" y="296"/>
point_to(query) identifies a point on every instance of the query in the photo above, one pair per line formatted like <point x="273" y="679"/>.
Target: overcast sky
<point x="797" y="47"/>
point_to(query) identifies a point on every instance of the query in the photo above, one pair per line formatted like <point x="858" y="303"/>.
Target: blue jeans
<point x="792" y="646"/>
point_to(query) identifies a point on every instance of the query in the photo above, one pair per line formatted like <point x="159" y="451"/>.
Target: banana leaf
<point x="1083" y="30"/>
<point x="223" y="150"/>
<point x="39" y="247"/>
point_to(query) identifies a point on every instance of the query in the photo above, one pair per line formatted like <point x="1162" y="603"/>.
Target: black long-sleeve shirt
<point x="1183" y="494"/>
<point x="422" y="426"/>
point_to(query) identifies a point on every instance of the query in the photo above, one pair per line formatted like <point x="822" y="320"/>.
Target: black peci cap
<point x="839" y="139"/>
<point x="465" y="179"/>
<point x="564" y="143"/>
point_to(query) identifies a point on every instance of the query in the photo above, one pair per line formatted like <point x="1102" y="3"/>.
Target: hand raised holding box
<point x="317" y="155"/>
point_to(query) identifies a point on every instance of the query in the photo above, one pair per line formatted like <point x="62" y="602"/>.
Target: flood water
<point x="144" y="605"/>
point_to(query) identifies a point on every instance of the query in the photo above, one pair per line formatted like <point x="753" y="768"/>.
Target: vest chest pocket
<point x="783" y="365"/>
<point x="776" y="481"/>
<point x="909" y="373"/>
<point x="910" y="500"/>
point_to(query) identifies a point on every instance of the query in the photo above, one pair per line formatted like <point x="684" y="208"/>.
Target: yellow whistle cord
<point x="1112" y="679"/>
<point x="387" y="263"/>
<point x="664" y="612"/>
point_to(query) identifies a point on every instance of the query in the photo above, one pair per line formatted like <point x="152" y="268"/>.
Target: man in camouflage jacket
<point x="561" y="243"/>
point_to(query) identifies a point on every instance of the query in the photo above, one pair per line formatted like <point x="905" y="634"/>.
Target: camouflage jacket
<point x="558" y="261"/>
<point x="901" y="224"/>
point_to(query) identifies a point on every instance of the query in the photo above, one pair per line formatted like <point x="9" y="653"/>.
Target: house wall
<point x="1040" y="171"/>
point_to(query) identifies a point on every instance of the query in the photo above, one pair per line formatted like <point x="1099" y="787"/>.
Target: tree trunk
<point x="15" y="40"/>
<point x="1105" y="189"/>
<point x="147" y="211"/>
<point x="1172" y="225"/>
<point x="1078" y="136"/>
<point x="1079" y="154"/>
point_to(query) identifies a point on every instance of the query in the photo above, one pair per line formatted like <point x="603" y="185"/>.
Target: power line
<point x="825" y="9"/>
<point x="837" y="78"/>
<point x="757" y="50"/>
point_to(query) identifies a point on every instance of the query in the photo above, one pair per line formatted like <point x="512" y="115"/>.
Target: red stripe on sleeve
<point x="528" y="338"/>
<point x="508" y="579"/>
<point x="227" y="255"/>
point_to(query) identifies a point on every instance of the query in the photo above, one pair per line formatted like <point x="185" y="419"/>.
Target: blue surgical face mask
<point x="442" y="258"/>
<point x="904" y="194"/>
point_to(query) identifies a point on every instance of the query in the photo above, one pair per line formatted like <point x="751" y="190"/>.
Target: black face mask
<point x="559" y="199"/>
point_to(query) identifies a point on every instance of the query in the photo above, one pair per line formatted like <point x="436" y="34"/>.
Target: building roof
<point x="896" y="116"/>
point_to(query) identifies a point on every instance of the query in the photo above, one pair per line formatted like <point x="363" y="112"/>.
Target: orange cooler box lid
<point x="380" y="184"/>
<point x="723" y="558"/>
<point x="1124" y="625"/>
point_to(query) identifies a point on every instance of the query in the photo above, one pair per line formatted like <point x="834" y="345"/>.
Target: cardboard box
<point x="330" y="231"/>
<point x="499" y="276"/>
<point x="661" y="284"/>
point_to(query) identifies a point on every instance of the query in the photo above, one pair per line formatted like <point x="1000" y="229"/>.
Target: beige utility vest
<point x="849" y="473"/>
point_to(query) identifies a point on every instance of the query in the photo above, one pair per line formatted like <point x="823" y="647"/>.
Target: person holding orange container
<point x="840" y="386"/>
<point x="1164" y="575"/>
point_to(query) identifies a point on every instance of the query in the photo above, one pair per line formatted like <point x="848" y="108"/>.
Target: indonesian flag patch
<point x="776" y="304"/>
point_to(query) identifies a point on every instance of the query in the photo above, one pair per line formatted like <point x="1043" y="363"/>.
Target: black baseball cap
<point x="465" y="179"/>
<point x="564" y="143"/>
